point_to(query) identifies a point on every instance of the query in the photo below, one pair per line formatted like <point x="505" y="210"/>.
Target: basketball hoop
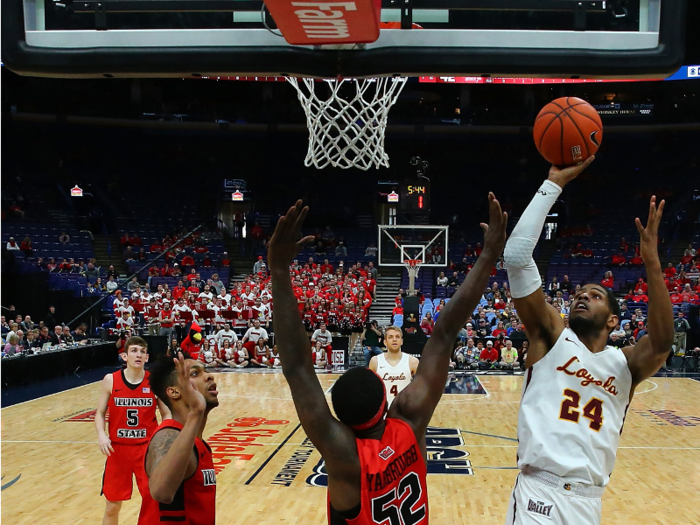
<point x="413" y="267"/>
<point x="346" y="130"/>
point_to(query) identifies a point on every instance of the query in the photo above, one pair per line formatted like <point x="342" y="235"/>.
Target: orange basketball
<point x="567" y="131"/>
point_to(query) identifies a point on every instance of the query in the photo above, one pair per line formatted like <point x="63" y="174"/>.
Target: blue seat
<point x="398" y="320"/>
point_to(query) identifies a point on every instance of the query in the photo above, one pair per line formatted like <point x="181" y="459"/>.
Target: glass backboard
<point x="427" y="244"/>
<point x="194" y="38"/>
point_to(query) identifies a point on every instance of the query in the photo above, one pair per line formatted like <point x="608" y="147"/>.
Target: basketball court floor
<point x="269" y="473"/>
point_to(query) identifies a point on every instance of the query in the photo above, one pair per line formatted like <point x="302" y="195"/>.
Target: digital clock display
<point x="415" y="196"/>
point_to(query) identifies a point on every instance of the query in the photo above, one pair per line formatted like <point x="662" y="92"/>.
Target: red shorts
<point x="125" y="462"/>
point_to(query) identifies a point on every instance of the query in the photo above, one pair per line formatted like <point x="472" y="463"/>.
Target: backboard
<point x="427" y="244"/>
<point x="195" y="38"/>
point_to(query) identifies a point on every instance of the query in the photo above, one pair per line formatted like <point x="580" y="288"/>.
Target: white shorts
<point x="545" y="499"/>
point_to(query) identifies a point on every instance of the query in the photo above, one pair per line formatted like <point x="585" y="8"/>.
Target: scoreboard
<point x="415" y="196"/>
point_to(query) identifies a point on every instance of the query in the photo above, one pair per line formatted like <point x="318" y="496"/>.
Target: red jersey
<point x="393" y="479"/>
<point x="132" y="411"/>
<point x="195" y="500"/>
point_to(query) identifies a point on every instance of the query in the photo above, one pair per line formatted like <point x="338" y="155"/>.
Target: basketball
<point x="567" y="131"/>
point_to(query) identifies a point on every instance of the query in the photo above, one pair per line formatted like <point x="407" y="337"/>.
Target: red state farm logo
<point x="386" y="453"/>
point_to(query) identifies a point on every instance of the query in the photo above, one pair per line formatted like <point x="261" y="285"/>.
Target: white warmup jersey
<point x="395" y="378"/>
<point x="572" y="411"/>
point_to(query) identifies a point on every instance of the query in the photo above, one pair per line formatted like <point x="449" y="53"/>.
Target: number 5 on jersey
<point x="570" y="412"/>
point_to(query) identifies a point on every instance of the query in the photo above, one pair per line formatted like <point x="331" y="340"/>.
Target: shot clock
<point x="415" y="196"/>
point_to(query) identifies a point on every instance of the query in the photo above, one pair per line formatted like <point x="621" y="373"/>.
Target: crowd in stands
<point x="332" y="300"/>
<point x="22" y="336"/>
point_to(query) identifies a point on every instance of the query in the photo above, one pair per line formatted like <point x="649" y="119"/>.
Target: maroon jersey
<point x="132" y="411"/>
<point x="393" y="480"/>
<point x="195" y="499"/>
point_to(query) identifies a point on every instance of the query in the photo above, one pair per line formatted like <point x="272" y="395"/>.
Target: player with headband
<point x="373" y="455"/>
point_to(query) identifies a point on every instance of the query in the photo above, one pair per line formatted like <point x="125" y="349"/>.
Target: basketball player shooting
<point x="395" y="368"/>
<point x="576" y="390"/>
<point x="376" y="466"/>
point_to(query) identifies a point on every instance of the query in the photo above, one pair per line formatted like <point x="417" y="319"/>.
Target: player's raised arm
<point x="328" y="435"/>
<point x="543" y="323"/>
<point x="417" y="401"/>
<point x="102" y="438"/>
<point x="651" y="351"/>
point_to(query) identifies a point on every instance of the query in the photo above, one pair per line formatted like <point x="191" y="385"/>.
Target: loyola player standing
<point x="132" y="420"/>
<point x="577" y="389"/>
<point x="395" y="368"/>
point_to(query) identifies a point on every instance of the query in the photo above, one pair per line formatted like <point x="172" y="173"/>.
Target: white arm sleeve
<point x="523" y="275"/>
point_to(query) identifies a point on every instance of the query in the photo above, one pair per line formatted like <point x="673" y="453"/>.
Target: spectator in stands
<point x="257" y="267"/>
<point x="56" y="335"/>
<point x="553" y="287"/>
<point x="91" y="291"/>
<point x="66" y="337"/>
<point x="690" y="251"/>
<point x="27" y="325"/>
<point x="131" y="287"/>
<point x="641" y="298"/>
<point x="370" y="341"/>
<point x="641" y="286"/>
<point x="99" y="285"/>
<point x="50" y="317"/>
<point x="129" y="255"/>
<point x="372" y="270"/>
<point x="322" y="336"/>
<point x="371" y="250"/>
<point x="12" y="245"/>
<point x="216" y="283"/>
<point x="91" y="271"/>
<point x="4" y="327"/>
<point x="225" y="261"/>
<point x="257" y="234"/>
<point x="79" y="335"/>
<point x="328" y="237"/>
<point x="426" y="326"/>
<point x="618" y="259"/>
<point x="26" y="247"/>
<point x="489" y="356"/>
<point x="566" y="286"/>
<point x="500" y="329"/>
<point x="64" y="238"/>
<point x="636" y="260"/>
<point x="608" y="280"/>
<point x="341" y="250"/>
<point x="45" y="336"/>
<point x="669" y="271"/>
<point x="12" y="347"/>
<point x="442" y="279"/>
<point x="689" y="296"/>
<point x="253" y="334"/>
<point x="509" y="356"/>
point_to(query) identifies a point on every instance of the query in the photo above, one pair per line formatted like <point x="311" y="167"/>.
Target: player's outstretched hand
<point x="285" y="243"/>
<point x="192" y="397"/>
<point x="649" y="236"/>
<point x="495" y="230"/>
<point x="105" y="445"/>
<point x="562" y="177"/>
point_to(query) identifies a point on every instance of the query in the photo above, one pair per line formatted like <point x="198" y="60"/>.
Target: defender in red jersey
<point x="128" y="396"/>
<point x="376" y="460"/>
<point x="178" y="462"/>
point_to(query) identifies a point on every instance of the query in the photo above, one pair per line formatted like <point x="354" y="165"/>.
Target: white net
<point x="347" y="125"/>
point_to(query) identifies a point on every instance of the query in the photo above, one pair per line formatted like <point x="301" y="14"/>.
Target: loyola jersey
<point x="132" y="411"/>
<point x="395" y="378"/>
<point x="195" y="499"/>
<point x="572" y="411"/>
<point x="393" y="479"/>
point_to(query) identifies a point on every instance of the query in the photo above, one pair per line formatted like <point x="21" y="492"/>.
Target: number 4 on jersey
<point x="593" y="410"/>
<point x="394" y="390"/>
